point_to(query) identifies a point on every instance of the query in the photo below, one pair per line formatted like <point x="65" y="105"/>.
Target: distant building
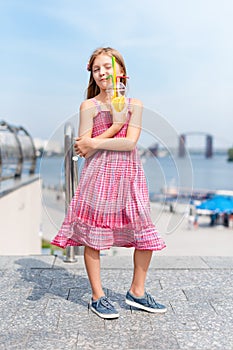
<point x="49" y="147"/>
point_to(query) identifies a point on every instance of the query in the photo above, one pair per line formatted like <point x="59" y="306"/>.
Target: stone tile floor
<point x="44" y="304"/>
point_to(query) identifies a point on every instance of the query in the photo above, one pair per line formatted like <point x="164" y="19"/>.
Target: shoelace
<point x="151" y="300"/>
<point x="106" y="302"/>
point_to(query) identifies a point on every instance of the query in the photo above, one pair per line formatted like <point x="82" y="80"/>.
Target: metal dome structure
<point x="17" y="151"/>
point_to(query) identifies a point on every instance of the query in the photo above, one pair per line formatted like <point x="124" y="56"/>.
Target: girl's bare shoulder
<point x="135" y="103"/>
<point x="87" y="104"/>
<point x="88" y="108"/>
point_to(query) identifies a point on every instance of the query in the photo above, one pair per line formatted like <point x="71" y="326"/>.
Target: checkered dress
<point x="111" y="204"/>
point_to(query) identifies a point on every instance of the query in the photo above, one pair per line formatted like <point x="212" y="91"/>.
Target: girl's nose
<point x="102" y="71"/>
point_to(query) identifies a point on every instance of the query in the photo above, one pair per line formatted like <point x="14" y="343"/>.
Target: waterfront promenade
<point x="44" y="304"/>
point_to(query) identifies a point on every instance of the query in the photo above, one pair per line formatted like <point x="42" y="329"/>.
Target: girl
<point x="111" y="204"/>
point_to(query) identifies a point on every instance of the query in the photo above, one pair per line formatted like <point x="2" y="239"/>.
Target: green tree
<point x="230" y="154"/>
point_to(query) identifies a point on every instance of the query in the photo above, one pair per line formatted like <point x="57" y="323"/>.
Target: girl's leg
<point x="142" y="260"/>
<point x="92" y="262"/>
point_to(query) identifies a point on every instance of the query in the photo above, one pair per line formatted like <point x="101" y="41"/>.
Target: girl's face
<point x="102" y="68"/>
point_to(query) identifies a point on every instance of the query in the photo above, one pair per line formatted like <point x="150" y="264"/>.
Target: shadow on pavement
<point x="51" y="282"/>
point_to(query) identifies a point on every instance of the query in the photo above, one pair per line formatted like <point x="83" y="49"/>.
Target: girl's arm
<point x="87" y="113"/>
<point x="85" y="145"/>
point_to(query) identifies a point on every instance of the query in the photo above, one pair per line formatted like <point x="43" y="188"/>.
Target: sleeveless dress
<point x="111" y="204"/>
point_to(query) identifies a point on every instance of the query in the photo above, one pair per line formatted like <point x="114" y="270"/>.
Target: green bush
<point x="230" y="154"/>
<point x="47" y="245"/>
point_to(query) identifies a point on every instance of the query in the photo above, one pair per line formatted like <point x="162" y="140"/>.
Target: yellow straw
<point x="114" y="76"/>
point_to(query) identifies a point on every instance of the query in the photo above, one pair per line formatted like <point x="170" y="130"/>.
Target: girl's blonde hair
<point x="93" y="89"/>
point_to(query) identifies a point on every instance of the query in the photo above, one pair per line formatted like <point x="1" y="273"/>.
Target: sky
<point x="178" y="55"/>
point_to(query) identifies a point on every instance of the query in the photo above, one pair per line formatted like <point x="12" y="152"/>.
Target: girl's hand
<point x="84" y="146"/>
<point x="119" y="118"/>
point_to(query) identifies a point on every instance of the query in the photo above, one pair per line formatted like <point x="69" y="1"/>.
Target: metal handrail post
<point x="33" y="163"/>
<point x="68" y="131"/>
<point x="0" y="163"/>
<point x="15" y="151"/>
<point x="12" y="129"/>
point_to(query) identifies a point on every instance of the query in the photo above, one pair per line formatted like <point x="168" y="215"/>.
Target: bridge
<point x="208" y="147"/>
<point x="182" y="149"/>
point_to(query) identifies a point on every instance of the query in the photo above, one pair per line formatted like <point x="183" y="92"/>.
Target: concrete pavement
<point x="44" y="304"/>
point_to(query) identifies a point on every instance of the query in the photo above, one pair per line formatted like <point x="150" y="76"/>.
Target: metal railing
<point x="71" y="178"/>
<point x="17" y="150"/>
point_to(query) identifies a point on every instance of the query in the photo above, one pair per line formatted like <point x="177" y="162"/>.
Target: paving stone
<point x="8" y="263"/>
<point x="168" y="294"/>
<point x="211" y="280"/>
<point x="13" y="339"/>
<point x="66" y="282"/>
<point x="169" y="320"/>
<point x="5" y="287"/>
<point x="44" y="305"/>
<point x="66" y="307"/>
<point x="34" y="320"/>
<point x="105" y="339"/>
<point x="110" y="339"/>
<point x="34" y="261"/>
<point x="51" y="340"/>
<point x="12" y="306"/>
<point x="178" y="262"/>
<point x="222" y="307"/>
<point x="37" y="293"/>
<point x="131" y="322"/>
<point x="11" y="274"/>
<point x="151" y="340"/>
<point x="41" y="282"/>
<point x="34" y="277"/>
<point x="117" y="275"/>
<point x="6" y="320"/>
<point x="213" y="322"/>
<point x="80" y="322"/>
<point x="80" y="296"/>
<point x="121" y="305"/>
<point x="57" y="291"/>
<point x="152" y="282"/>
<point x="192" y="309"/>
<point x="200" y="294"/>
<point x="169" y="279"/>
<point x="36" y="305"/>
<point x="49" y="344"/>
<point x="114" y="293"/>
<point x="226" y="293"/>
<point x="27" y="274"/>
<point x="204" y="340"/>
<point x="7" y="282"/>
<point x="221" y="280"/>
<point x="115" y="296"/>
<point x="12" y="298"/>
<point x="77" y="272"/>
<point x="182" y="322"/>
<point x="219" y="262"/>
<point x="114" y="262"/>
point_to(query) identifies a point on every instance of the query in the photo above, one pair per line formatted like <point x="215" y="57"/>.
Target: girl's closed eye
<point x="108" y="67"/>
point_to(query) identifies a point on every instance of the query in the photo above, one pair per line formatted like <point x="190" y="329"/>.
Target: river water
<point x="195" y="172"/>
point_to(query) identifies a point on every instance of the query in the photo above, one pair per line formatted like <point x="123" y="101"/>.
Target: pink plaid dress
<point x="111" y="204"/>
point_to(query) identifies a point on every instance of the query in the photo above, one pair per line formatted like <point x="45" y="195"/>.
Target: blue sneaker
<point x="146" y="303"/>
<point x="104" y="308"/>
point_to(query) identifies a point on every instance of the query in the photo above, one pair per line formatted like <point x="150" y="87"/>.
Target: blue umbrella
<point x="218" y="204"/>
